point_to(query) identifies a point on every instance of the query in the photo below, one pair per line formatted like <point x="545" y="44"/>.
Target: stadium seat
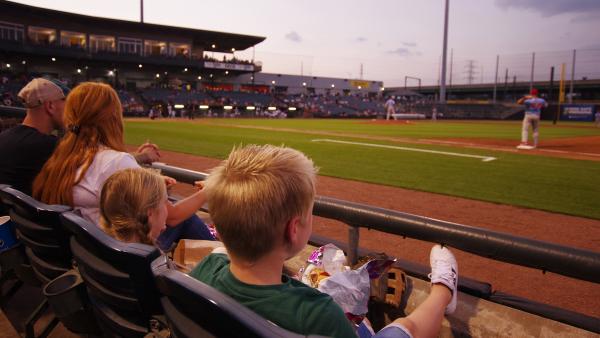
<point x="195" y="309"/>
<point x="118" y="278"/>
<point x="45" y="244"/>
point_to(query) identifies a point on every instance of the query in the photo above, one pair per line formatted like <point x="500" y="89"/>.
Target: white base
<point x="525" y="146"/>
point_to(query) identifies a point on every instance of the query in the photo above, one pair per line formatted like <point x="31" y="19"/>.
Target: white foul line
<point x="483" y="158"/>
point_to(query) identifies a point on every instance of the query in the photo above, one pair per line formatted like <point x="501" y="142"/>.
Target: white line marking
<point x="483" y="158"/>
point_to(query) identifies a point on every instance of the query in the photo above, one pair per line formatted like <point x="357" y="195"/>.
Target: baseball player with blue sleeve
<point x="533" y="110"/>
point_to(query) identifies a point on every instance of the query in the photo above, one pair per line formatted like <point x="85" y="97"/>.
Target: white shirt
<point x="86" y="194"/>
<point x="390" y="103"/>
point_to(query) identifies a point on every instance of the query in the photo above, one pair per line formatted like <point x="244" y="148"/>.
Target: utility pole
<point x="505" y="83"/>
<point x="470" y="70"/>
<point x="496" y="78"/>
<point x="532" y="68"/>
<point x="572" y="77"/>
<point x="481" y="73"/>
<point x="514" y="87"/>
<point x="142" y="11"/>
<point x="361" y="71"/>
<point x="444" y="51"/>
<point x="451" y="62"/>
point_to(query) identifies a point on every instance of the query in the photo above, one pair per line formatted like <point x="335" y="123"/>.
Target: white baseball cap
<point x="40" y="90"/>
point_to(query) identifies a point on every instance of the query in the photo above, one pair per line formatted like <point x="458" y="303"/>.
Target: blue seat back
<point x="195" y="309"/>
<point x="39" y="228"/>
<point x="118" y="277"/>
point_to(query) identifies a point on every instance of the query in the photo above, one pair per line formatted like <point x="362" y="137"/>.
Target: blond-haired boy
<point x="261" y="199"/>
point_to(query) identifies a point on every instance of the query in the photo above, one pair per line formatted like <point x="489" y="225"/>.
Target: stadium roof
<point x="11" y="11"/>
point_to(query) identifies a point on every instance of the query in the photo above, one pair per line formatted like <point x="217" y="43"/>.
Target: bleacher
<point x="244" y="98"/>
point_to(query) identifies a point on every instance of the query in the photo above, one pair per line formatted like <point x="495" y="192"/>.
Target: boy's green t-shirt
<point x="291" y="305"/>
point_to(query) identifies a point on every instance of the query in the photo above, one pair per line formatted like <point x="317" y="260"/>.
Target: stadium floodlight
<point x="226" y="72"/>
<point x="140" y="65"/>
<point x="382" y="88"/>
<point x="157" y="75"/>
<point x="304" y="84"/>
<point x="292" y="108"/>
<point x="78" y="70"/>
<point x="250" y="108"/>
<point x="8" y="65"/>
<point x="179" y="106"/>
<point x="53" y="59"/>
<point x="185" y="69"/>
<point x="273" y="82"/>
<point x="213" y="46"/>
<point x="203" y="106"/>
<point x="166" y="73"/>
<point x="332" y="85"/>
<point x="359" y="87"/>
<point x="199" y="77"/>
<point x="111" y="73"/>
<point x="232" y="50"/>
<point x="271" y="108"/>
<point x="227" y="107"/>
<point x="211" y="75"/>
<point x="86" y="67"/>
<point x="23" y="62"/>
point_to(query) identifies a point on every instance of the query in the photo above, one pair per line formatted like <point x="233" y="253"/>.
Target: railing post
<point x="353" y="235"/>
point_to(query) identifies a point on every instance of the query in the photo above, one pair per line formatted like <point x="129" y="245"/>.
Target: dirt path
<point x="548" y="288"/>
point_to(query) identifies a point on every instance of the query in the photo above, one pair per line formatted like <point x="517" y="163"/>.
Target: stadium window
<point x="72" y="39"/>
<point x="130" y="46"/>
<point x="100" y="43"/>
<point x="179" y="49"/>
<point x="11" y="31"/>
<point x="41" y="35"/>
<point x="155" y="48"/>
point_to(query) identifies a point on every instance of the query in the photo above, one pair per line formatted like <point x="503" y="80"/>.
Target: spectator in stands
<point x="26" y="147"/>
<point x="133" y="206"/>
<point x="30" y="144"/>
<point x="91" y="151"/>
<point x="260" y="236"/>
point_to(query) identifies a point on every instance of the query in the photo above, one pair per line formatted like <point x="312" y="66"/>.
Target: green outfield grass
<point x="553" y="184"/>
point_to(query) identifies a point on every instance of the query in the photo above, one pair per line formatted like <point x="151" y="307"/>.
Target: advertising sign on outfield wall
<point x="578" y="112"/>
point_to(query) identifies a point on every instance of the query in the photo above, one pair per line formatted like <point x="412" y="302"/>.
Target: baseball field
<point x="471" y="159"/>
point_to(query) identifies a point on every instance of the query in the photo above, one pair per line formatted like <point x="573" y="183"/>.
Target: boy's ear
<point x="291" y="230"/>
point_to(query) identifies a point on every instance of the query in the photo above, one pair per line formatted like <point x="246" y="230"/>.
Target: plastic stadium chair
<point x="195" y="309"/>
<point x="45" y="243"/>
<point x="118" y="278"/>
<point x="39" y="229"/>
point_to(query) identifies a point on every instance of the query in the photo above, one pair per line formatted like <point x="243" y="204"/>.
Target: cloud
<point x="361" y="39"/>
<point x="402" y="51"/>
<point x="409" y="44"/>
<point x="293" y="36"/>
<point x="552" y="7"/>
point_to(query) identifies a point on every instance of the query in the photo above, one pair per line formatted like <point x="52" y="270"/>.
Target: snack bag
<point x="350" y="289"/>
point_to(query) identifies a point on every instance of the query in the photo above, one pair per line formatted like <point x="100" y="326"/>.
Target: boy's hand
<point x="199" y="185"/>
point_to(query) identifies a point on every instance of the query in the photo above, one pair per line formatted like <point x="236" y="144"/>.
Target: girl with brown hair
<point x="91" y="151"/>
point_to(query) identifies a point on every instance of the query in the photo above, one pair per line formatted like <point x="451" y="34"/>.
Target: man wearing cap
<point x="533" y="111"/>
<point x="25" y="148"/>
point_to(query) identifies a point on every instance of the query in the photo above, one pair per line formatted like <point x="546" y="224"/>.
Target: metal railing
<point x="567" y="261"/>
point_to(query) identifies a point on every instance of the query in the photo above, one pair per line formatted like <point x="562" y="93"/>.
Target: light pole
<point x="444" y="52"/>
